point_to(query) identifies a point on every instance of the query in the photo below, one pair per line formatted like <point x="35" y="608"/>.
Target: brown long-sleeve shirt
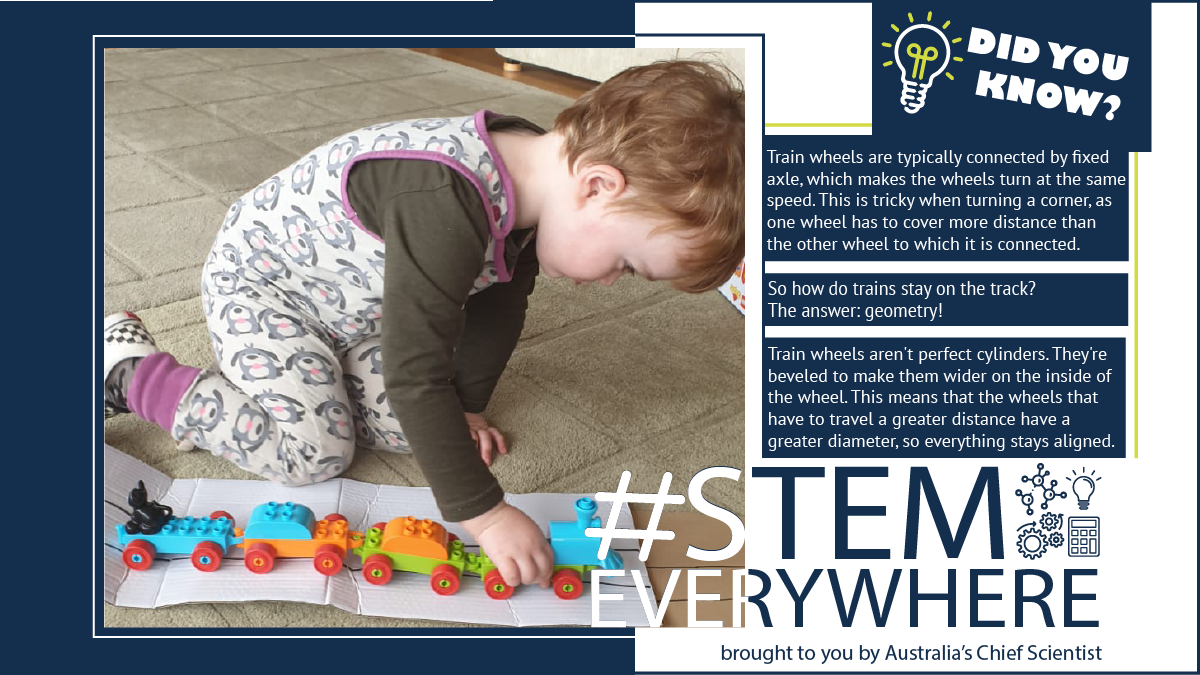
<point x="443" y="349"/>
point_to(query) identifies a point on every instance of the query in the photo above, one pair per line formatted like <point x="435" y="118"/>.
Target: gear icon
<point x="1056" y="539"/>
<point x="1051" y="521"/>
<point x="1032" y="542"/>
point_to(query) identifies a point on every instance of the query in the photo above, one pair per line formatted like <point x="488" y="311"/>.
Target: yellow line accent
<point x="888" y="63"/>
<point x="929" y="16"/>
<point x="887" y="44"/>
<point x="817" y="124"/>
<point x="945" y="25"/>
<point x="1135" y="305"/>
<point x="957" y="40"/>
<point x="950" y="76"/>
<point x="958" y="58"/>
<point x="910" y="19"/>
<point x="895" y="29"/>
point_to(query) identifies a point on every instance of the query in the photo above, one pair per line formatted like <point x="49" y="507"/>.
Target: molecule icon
<point x="1039" y="482"/>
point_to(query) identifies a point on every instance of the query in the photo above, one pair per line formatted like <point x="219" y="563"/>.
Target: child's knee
<point x="301" y="463"/>
<point x="311" y="478"/>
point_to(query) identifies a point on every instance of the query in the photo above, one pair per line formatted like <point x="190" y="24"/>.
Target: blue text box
<point x="946" y="300"/>
<point x="929" y="394"/>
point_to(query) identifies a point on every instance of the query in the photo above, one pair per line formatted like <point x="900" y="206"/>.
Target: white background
<point x="1146" y="586"/>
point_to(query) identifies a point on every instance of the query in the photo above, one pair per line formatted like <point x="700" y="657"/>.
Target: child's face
<point x="581" y="237"/>
<point x="605" y="248"/>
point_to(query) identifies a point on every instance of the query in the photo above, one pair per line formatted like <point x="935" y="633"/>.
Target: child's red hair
<point x="676" y="130"/>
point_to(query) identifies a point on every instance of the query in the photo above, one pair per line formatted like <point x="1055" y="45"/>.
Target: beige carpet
<point x="636" y="376"/>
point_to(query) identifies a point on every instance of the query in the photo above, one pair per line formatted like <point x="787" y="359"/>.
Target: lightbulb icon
<point x="920" y="50"/>
<point x="1083" y="488"/>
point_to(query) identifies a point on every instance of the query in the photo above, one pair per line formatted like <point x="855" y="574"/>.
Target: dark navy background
<point x="1055" y="300"/>
<point x="1109" y="240"/>
<point x="954" y="114"/>
<point x="54" y="91"/>
<point x="1087" y="420"/>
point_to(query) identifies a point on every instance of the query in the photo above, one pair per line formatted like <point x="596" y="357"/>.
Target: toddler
<point x="372" y="292"/>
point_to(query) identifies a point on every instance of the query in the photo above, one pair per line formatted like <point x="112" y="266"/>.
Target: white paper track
<point x="173" y="580"/>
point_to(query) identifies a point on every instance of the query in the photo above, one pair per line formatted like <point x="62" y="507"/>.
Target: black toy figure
<point x="148" y="517"/>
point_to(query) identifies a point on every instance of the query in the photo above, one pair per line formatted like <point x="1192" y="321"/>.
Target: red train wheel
<point x="377" y="569"/>
<point x="221" y="514"/>
<point x="328" y="560"/>
<point x="495" y="586"/>
<point x="567" y="584"/>
<point x="138" y="555"/>
<point x="260" y="558"/>
<point x="334" y="517"/>
<point x="207" y="555"/>
<point x="444" y="580"/>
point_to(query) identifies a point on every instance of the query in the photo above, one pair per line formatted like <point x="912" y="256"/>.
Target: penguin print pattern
<point x="291" y="291"/>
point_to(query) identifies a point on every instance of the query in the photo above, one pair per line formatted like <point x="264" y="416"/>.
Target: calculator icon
<point x="1083" y="537"/>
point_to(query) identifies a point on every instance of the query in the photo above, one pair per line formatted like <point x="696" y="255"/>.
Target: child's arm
<point x="433" y="252"/>
<point x="494" y="319"/>
<point x="435" y="235"/>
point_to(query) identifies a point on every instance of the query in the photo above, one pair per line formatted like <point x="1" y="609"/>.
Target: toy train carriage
<point x="291" y="530"/>
<point x="206" y="540"/>
<point x="413" y="545"/>
<point x="275" y="530"/>
<point x="424" y="546"/>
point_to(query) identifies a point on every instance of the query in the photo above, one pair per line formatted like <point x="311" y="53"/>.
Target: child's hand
<point x="515" y="544"/>
<point x="486" y="436"/>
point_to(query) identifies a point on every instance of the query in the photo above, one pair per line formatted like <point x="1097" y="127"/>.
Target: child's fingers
<point x="529" y="571"/>
<point x="509" y="571"/>
<point x="485" y="454"/>
<point x="498" y="442"/>
<point x="545" y="561"/>
<point x="484" y="441"/>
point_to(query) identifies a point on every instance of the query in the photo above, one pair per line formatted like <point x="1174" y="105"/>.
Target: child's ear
<point x="601" y="180"/>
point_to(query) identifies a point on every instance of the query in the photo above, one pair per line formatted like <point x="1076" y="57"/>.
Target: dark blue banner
<point x="946" y="300"/>
<point x="1046" y="74"/>
<point x="944" y="397"/>
<point x="857" y="198"/>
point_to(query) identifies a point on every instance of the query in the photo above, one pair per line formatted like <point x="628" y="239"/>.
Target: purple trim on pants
<point x="159" y="384"/>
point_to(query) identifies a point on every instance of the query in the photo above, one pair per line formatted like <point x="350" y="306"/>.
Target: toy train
<point x="408" y="544"/>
